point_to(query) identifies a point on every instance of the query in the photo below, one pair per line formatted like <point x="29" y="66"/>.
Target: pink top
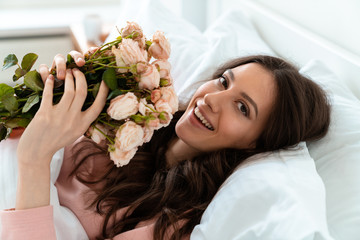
<point x="38" y="223"/>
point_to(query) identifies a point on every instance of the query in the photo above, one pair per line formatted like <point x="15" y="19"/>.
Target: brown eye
<point x="243" y="109"/>
<point x="223" y="82"/>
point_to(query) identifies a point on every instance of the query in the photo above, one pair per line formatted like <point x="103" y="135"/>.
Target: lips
<point x="202" y="119"/>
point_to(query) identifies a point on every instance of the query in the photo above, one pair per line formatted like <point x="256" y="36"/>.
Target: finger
<point x="69" y="91"/>
<point x="78" y="58"/>
<point x="93" y="112"/>
<point x="44" y="72"/>
<point x="80" y="90"/>
<point x="60" y="64"/>
<point x="47" y="96"/>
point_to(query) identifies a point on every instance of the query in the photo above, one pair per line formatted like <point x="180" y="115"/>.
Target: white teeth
<point x="203" y="120"/>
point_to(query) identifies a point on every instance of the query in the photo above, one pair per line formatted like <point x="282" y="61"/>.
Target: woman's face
<point x="229" y="112"/>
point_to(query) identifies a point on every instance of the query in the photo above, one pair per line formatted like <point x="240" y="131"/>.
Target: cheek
<point x="207" y="87"/>
<point x="237" y="133"/>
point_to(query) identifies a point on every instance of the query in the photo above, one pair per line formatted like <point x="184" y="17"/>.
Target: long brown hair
<point x="177" y="197"/>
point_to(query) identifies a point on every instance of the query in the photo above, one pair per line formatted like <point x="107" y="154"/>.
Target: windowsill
<point x="50" y="21"/>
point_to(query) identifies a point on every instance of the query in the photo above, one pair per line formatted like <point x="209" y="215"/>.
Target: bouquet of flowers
<point x="141" y="97"/>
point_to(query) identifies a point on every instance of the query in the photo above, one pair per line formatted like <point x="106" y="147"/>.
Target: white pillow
<point x="337" y="156"/>
<point x="275" y="196"/>
<point x="194" y="55"/>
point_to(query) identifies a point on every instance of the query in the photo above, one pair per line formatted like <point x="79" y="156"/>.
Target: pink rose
<point x="95" y="135"/>
<point x="165" y="118"/>
<point x="119" y="61"/>
<point x="130" y="52"/>
<point x="150" y="79"/>
<point x="154" y="123"/>
<point x="163" y="106"/>
<point x="144" y="107"/>
<point x="141" y="67"/>
<point x="168" y="94"/>
<point x="121" y="158"/>
<point x="163" y="67"/>
<point x="148" y="133"/>
<point x="160" y="47"/>
<point x="134" y="29"/>
<point x="146" y="55"/>
<point x="128" y="136"/>
<point x="123" y="106"/>
<point x="155" y="95"/>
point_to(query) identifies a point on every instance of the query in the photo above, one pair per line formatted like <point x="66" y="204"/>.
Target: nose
<point x="214" y="100"/>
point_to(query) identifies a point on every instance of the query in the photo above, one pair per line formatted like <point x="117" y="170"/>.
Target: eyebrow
<point x="244" y="95"/>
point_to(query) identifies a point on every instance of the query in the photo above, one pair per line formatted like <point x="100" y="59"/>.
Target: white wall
<point x="336" y="20"/>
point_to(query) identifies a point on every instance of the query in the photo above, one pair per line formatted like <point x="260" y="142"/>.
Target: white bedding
<point x="280" y="197"/>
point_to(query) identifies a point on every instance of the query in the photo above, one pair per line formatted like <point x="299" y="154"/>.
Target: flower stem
<point x="112" y="141"/>
<point x="97" y="59"/>
<point x="109" y="124"/>
<point x="19" y="86"/>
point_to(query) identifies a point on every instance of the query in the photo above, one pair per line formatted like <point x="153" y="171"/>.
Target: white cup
<point x="92" y="26"/>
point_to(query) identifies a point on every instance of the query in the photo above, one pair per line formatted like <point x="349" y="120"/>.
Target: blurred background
<point x="48" y="27"/>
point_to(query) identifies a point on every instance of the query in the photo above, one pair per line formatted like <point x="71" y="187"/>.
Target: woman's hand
<point x="59" y="63"/>
<point x="55" y="126"/>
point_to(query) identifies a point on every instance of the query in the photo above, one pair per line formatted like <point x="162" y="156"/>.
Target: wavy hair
<point x="177" y="196"/>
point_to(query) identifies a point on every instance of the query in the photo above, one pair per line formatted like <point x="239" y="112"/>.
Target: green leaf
<point x="109" y="77"/>
<point x="5" y="90"/>
<point x="10" y="103"/>
<point x="115" y="93"/>
<point x="33" y="80"/>
<point x="2" y="107"/>
<point x="3" y="132"/>
<point x="18" y="74"/>
<point x="17" y="122"/>
<point x="10" y="61"/>
<point x="70" y="59"/>
<point x="7" y="98"/>
<point x="28" y="61"/>
<point x="30" y="102"/>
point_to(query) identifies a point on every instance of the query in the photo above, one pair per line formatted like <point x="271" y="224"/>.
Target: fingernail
<point x="80" y="59"/>
<point x="51" y="77"/>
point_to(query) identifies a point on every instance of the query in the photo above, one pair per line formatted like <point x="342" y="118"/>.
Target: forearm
<point x="33" y="187"/>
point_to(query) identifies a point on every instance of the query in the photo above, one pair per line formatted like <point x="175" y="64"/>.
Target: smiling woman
<point x="252" y="105"/>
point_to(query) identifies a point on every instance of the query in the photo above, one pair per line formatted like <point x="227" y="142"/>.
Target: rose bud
<point x="150" y="79"/>
<point x="132" y="28"/>
<point x="160" y="47"/>
<point x="95" y="135"/>
<point x="163" y="67"/>
<point x="168" y="94"/>
<point x="130" y="52"/>
<point x="119" y="61"/>
<point x="155" y="95"/>
<point x="121" y="158"/>
<point x="144" y="107"/>
<point x="162" y="106"/>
